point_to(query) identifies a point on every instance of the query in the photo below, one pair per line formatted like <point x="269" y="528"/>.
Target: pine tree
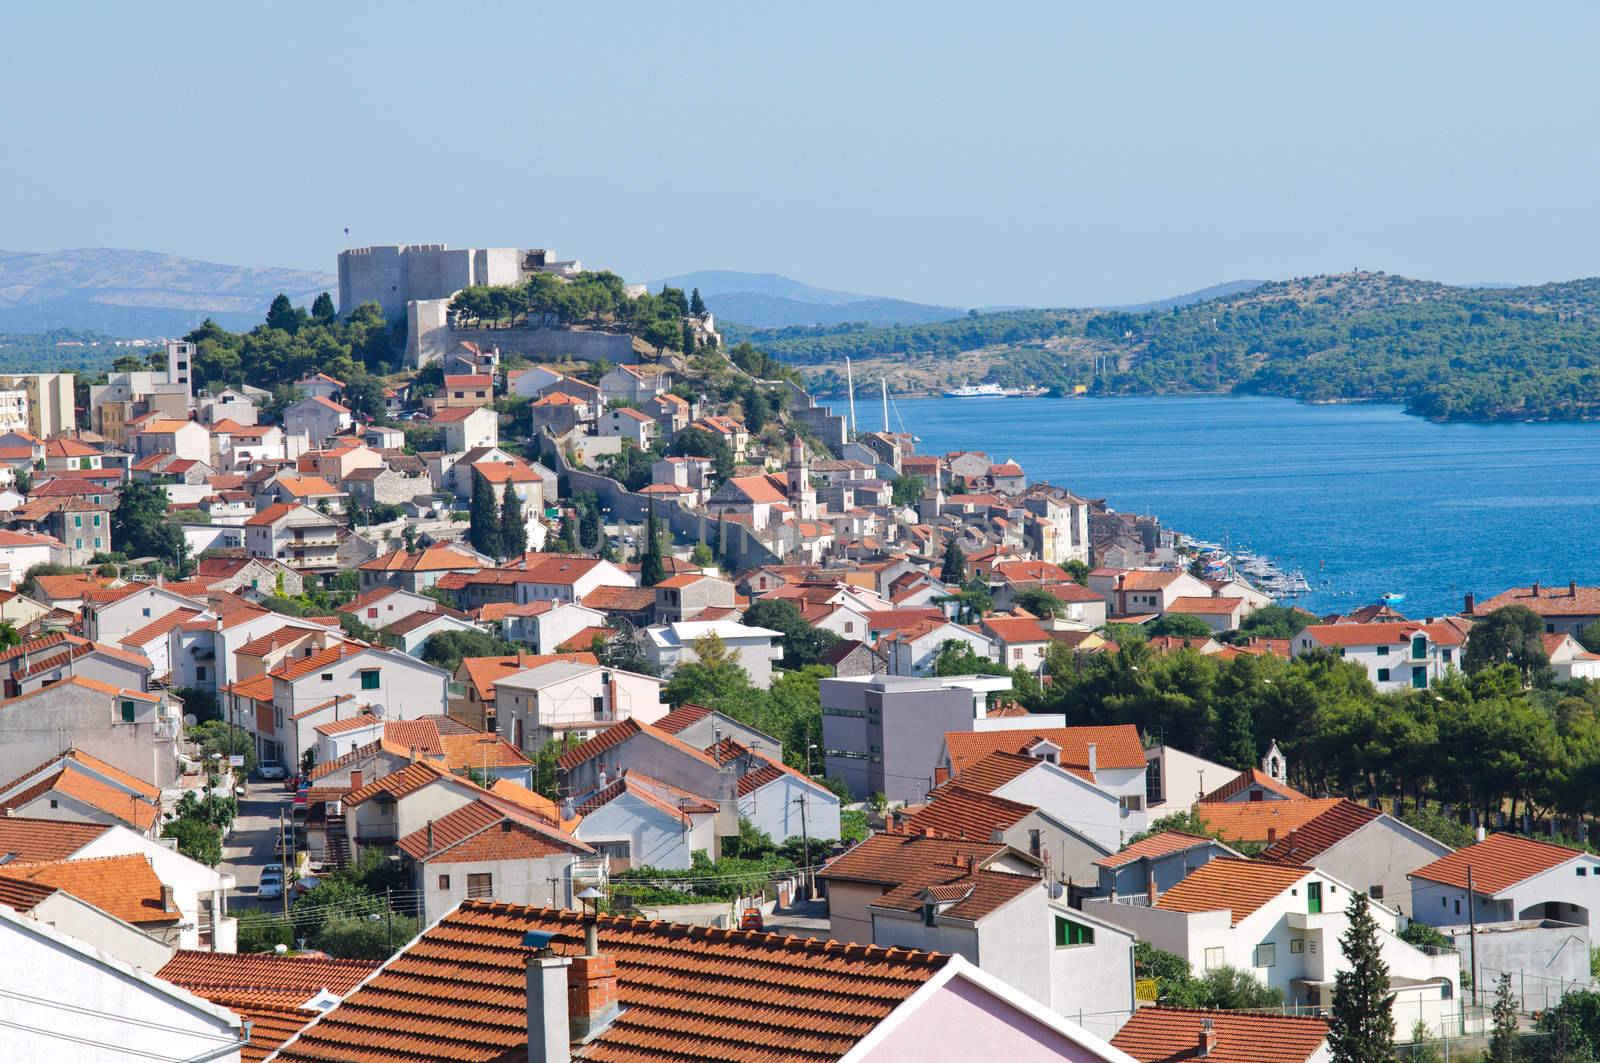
<point x="322" y="311"/>
<point x="1503" y="1039"/>
<point x="1361" y="1028"/>
<point x="484" y="529"/>
<point x="954" y="570"/>
<point x="688" y="338"/>
<point x="513" y="526"/>
<point x="697" y="305"/>
<point x="652" y="569"/>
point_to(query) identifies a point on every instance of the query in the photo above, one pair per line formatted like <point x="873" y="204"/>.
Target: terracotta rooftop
<point x="956" y="812"/>
<point x="1163" y="844"/>
<point x="1117" y="746"/>
<point x="1320" y="833"/>
<point x="1195" y="605"/>
<point x="687" y="993"/>
<point x="1385" y="633"/>
<point x="486" y="831"/>
<point x="398" y="784"/>
<point x="676" y="802"/>
<point x="1170" y="1035"/>
<point x="123" y="886"/>
<point x="482" y="672"/>
<point x="620" y="732"/>
<point x="1240" y="886"/>
<point x="1498" y="862"/>
<point x="432" y="559"/>
<point x="682" y="717"/>
<point x="975" y="894"/>
<point x="1246" y="779"/>
<point x="894" y="859"/>
<point x="43" y="840"/>
<point x="263" y="972"/>
<point x="1567" y="599"/>
<point x="1262" y="821"/>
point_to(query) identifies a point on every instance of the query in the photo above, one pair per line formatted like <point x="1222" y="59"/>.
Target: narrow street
<point x="249" y="846"/>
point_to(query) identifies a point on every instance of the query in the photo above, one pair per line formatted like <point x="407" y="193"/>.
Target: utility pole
<point x="1472" y="938"/>
<point x="388" y="916"/>
<point x="805" y="840"/>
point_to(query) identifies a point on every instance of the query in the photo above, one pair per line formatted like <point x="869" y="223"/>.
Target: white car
<point x="270" y="888"/>
<point x="272" y="871"/>
<point x="271" y="769"/>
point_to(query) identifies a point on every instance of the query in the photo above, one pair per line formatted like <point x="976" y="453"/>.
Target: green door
<point x="1419" y="677"/>
<point x="1314" y="897"/>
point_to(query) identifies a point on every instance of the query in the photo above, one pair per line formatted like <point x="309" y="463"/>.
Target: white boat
<point x="976" y="391"/>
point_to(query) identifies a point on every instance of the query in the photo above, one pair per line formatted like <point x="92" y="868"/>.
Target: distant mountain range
<point x="770" y="300"/>
<point x="1216" y="291"/>
<point x="135" y="294"/>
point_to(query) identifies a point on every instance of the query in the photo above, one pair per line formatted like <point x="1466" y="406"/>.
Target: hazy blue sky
<point x="971" y="154"/>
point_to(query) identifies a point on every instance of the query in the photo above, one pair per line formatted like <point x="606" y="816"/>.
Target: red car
<point x="751" y="920"/>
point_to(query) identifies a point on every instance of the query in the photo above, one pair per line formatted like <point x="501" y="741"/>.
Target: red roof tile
<point x="1240" y="886"/>
<point x="1163" y="844"/>
<point x="1170" y="1035"/>
<point x="1117" y="746"/>
<point x="1246" y="779"/>
<point x="1321" y="833"/>
<point x="1498" y="862"/>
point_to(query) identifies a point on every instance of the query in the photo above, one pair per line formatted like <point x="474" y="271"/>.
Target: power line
<point x="124" y="1020"/>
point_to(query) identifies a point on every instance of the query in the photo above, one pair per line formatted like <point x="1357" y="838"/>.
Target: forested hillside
<point x="1444" y="352"/>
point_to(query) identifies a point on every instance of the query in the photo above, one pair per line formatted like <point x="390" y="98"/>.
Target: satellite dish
<point x="190" y="719"/>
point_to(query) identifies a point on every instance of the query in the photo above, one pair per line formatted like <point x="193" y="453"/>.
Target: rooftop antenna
<point x="850" y="387"/>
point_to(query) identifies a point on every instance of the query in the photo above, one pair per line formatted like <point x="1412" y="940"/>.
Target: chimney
<point x="1208" y="1039"/>
<point x="549" y="1027"/>
<point x="355" y="779"/>
<point x="1479" y="835"/>
<point x="430" y="837"/>
<point x="1272" y="835"/>
<point x="1094" y="759"/>
<point x="1572" y="587"/>
<point x="166" y="899"/>
<point x="1150" y="885"/>
<point x="1470" y="604"/>
<point x="591" y="990"/>
<point x="1536" y="588"/>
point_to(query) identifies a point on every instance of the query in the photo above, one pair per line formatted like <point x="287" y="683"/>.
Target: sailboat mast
<point x="883" y="388"/>
<point x="850" y="387"/>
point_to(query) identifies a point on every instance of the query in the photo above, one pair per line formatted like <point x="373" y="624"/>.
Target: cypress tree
<point x="484" y="529"/>
<point x="1362" y="1024"/>
<point x="1503" y="1039"/>
<point x="954" y="570"/>
<point x="697" y="305"/>
<point x="652" y="569"/>
<point x="513" y="526"/>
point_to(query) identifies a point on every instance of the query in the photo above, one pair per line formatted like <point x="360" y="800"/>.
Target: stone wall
<point x="430" y="337"/>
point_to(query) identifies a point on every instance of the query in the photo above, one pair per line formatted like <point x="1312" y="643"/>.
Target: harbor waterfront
<point x="1363" y="498"/>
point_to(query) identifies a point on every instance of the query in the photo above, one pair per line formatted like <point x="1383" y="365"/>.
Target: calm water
<point x="1363" y="498"/>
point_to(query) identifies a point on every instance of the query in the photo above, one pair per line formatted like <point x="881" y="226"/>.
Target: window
<point x="1033" y="842"/>
<point x="1070" y="932"/>
<point x="1445" y="654"/>
<point x="1383" y="651"/>
<point x="444" y="882"/>
<point x="77" y="522"/>
<point x="599" y="707"/>
<point x="1383" y="675"/>
<point x="372" y="613"/>
<point x="480" y="887"/>
<point x="327" y="677"/>
<point x="1458" y="906"/>
<point x="1582" y="871"/>
<point x="127" y="712"/>
<point x="1267" y="954"/>
<point x="1419" y="646"/>
<point x="1313" y="897"/>
<point x="97" y="520"/>
<point x="1215" y="958"/>
<point x="1152" y="781"/>
<point x="1131" y="802"/>
<point x="370" y="678"/>
<point x="200" y="673"/>
<point x="1297" y="946"/>
<point x="1375" y="891"/>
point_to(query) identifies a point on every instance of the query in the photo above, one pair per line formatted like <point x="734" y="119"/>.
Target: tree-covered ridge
<point x="596" y="299"/>
<point x="1444" y="352"/>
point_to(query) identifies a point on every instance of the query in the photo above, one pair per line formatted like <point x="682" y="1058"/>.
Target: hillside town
<point x="583" y="688"/>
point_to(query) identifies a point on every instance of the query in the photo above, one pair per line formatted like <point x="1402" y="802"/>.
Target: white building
<point x="753" y="648"/>
<point x="1397" y="655"/>
<point x="535" y="706"/>
<point x="1514" y="878"/>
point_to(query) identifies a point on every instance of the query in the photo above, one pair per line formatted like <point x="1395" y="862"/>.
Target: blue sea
<point x="1363" y="498"/>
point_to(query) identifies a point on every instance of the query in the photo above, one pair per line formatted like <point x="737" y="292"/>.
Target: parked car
<point x="272" y="870"/>
<point x="271" y="769"/>
<point x="270" y="889"/>
<point x="751" y="920"/>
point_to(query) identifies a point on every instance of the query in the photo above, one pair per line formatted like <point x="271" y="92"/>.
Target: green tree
<point x="957" y="657"/>
<point x="1179" y="626"/>
<point x="1512" y="634"/>
<point x="1588" y="635"/>
<point x="446" y="649"/>
<point x="1503" y="1038"/>
<point x="1077" y="570"/>
<point x="282" y="315"/>
<point x="701" y="556"/>
<point x="803" y="644"/>
<point x="908" y="490"/>
<point x="513" y="528"/>
<point x="322" y="311"/>
<point x="714" y="675"/>
<point x="1361" y="1026"/>
<point x="697" y="305"/>
<point x="652" y="569"/>
<point x="139" y="525"/>
<point x="484" y="515"/>
<point x="1040" y="602"/>
<point x="954" y="569"/>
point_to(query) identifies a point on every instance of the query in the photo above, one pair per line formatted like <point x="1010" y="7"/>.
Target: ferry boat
<point x="976" y="391"/>
<point x="1391" y="598"/>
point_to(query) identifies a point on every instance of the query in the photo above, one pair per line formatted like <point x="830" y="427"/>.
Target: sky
<point x="1055" y="154"/>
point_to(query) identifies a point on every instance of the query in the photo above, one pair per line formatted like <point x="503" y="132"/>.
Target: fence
<point x="1534" y="993"/>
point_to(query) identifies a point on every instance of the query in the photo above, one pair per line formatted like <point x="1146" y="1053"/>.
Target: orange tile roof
<point x="1254" y="821"/>
<point x="1198" y="606"/>
<point x="398" y="784"/>
<point x="1560" y="600"/>
<point x="304" y="666"/>
<point x="22" y="895"/>
<point x="1013" y="630"/>
<point x="1117" y="746"/>
<point x="272" y="514"/>
<point x="1246" y="779"/>
<point x="687" y="993"/>
<point x="893" y="859"/>
<point x="1321" y="833"/>
<point x="1241" y="886"/>
<point x="483" y="671"/>
<point x="349" y="723"/>
<point x="975" y="894"/>
<point x="956" y="812"/>
<point x="43" y="840"/>
<point x="622" y="599"/>
<point x="123" y="886"/>
<point x="431" y="559"/>
<point x="1163" y="844"/>
<point x="157" y="628"/>
<point x="616" y="734"/>
<point x="1498" y="862"/>
<point x="256" y="688"/>
<point x="517" y="794"/>
<point x="488" y="831"/>
<point x="1382" y="633"/>
<point x="240" y="973"/>
<point x="681" y="717"/>
<point x="1170" y="1035"/>
<point x="475" y="750"/>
